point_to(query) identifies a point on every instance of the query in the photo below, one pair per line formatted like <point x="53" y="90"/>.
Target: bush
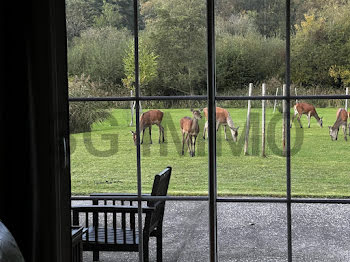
<point x="99" y="53"/>
<point x="247" y="59"/>
<point x="83" y="114"/>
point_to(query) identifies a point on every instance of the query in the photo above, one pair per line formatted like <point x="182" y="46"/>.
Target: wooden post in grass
<point x="274" y="105"/>
<point x="248" y="121"/>
<point x="284" y="120"/>
<point x="346" y="101"/>
<point x="263" y="108"/>
<point x="132" y="107"/>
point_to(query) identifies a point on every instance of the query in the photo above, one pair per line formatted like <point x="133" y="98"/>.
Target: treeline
<point x="250" y="45"/>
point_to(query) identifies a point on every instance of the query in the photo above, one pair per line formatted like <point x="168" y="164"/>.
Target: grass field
<point x="104" y="160"/>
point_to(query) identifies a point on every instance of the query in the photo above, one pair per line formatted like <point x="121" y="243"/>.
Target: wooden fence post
<point x="346" y="101"/>
<point x="263" y="105"/>
<point x="274" y="106"/>
<point x="284" y="121"/>
<point x="248" y="121"/>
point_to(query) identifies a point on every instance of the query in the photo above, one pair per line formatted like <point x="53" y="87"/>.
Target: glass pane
<point x="252" y="232"/>
<point x="319" y="165"/>
<point x="185" y="235"/>
<point x="241" y="168"/>
<point x="319" y="232"/>
<point x="99" y="34"/>
<point x="185" y="231"/>
<point x="250" y="46"/>
<point x="190" y="173"/>
<point x="320" y="47"/>
<point x="103" y="157"/>
<point x="173" y="48"/>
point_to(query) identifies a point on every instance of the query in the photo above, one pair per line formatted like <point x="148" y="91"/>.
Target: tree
<point x="79" y="16"/>
<point x="147" y="65"/>
<point x="99" y="53"/>
<point x="247" y="59"/>
<point x="176" y="32"/>
<point x="109" y="16"/>
<point x="321" y="47"/>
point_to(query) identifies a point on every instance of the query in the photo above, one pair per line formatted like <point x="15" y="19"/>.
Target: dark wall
<point x="34" y="180"/>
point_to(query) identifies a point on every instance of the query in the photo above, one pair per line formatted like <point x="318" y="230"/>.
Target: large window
<point x="177" y="55"/>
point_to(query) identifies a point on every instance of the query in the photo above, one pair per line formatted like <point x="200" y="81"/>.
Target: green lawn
<point x="104" y="160"/>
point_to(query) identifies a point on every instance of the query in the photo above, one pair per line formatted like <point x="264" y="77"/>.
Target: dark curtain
<point x="34" y="177"/>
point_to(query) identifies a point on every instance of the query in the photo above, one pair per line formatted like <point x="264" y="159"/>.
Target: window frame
<point x="211" y="99"/>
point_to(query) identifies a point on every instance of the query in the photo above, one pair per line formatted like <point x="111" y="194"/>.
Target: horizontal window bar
<point x="199" y="98"/>
<point x="143" y="197"/>
<point x="282" y="97"/>
<point x="141" y="98"/>
<point x="284" y="200"/>
<point x="219" y="199"/>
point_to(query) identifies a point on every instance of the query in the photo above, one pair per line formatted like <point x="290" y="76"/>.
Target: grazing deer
<point x="147" y="119"/>
<point x="222" y="118"/>
<point x="307" y="109"/>
<point x="190" y="128"/>
<point x="342" y="119"/>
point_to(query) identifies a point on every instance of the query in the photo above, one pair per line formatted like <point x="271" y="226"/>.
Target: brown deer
<point x="222" y="118"/>
<point x="147" y="119"/>
<point x="342" y="119"/>
<point x="307" y="109"/>
<point x="190" y="129"/>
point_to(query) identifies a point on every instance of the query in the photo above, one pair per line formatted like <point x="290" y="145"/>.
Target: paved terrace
<point x="249" y="232"/>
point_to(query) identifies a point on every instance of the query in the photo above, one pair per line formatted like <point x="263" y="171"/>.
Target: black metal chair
<point x="112" y="227"/>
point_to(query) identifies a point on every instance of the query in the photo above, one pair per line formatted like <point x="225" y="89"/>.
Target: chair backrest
<point x="160" y="188"/>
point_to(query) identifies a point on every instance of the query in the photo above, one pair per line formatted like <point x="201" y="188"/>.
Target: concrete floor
<point x="250" y="232"/>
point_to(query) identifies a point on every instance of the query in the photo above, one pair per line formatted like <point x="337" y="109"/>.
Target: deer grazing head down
<point x="134" y="136"/>
<point x="222" y="118"/>
<point x="152" y="117"/>
<point x="234" y="130"/>
<point x="341" y="121"/>
<point x="333" y="132"/>
<point x="308" y="110"/>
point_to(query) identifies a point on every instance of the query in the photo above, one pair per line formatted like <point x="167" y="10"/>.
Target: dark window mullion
<point x="212" y="188"/>
<point x="288" y="160"/>
<point x="138" y="150"/>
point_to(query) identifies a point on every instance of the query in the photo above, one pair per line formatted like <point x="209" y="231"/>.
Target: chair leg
<point x="96" y="256"/>
<point x="159" y="248"/>
<point x="145" y="249"/>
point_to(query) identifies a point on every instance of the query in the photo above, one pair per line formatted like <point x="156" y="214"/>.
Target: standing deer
<point x="222" y="118"/>
<point x="190" y="128"/>
<point x="307" y="109"/>
<point x="147" y="119"/>
<point x="342" y="119"/>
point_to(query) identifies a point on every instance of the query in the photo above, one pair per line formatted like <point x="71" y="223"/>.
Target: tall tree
<point x="147" y="67"/>
<point x="80" y="16"/>
<point x="176" y="31"/>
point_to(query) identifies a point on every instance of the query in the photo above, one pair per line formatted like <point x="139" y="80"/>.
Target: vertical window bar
<point x="211" y="131"/>
<point x="288" y="160"/>
<point x="137" y="105"/>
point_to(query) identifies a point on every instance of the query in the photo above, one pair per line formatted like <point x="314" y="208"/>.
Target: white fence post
<point x="274" y="106"/>
<point x="346" y="101"/>
<point x="296" y="100"/>
<point x="248" y="121"/>
<point x="263" y="105"/>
